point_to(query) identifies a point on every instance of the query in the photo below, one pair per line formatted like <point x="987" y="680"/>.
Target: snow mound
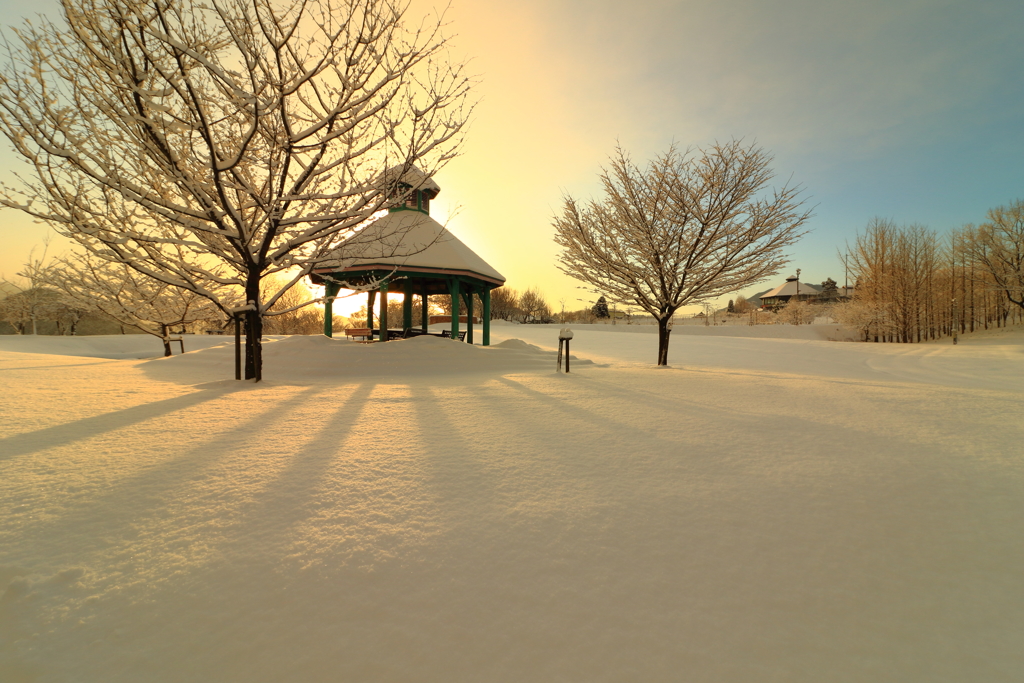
<point x="518" y="344"/>
<point x="317" y="359"/>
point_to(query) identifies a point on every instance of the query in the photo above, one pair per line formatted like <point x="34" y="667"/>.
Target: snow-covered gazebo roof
<point x="408" y="251"/>
<point x="412" y="242"/>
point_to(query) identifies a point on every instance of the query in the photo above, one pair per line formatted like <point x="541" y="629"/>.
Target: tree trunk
<point x="164" y="338"/>
<point x="253" y="331"/>
<point x="663" y="333"/>
<point x="253" y="345"/>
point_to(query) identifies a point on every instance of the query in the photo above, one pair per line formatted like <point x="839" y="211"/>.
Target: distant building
<point x="791" y="290"/>
<point x="794" y="290"/>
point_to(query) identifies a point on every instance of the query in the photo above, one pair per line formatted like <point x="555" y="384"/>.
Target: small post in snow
<point x="564" y="335"/>
<point x="238" y="345"/>
<point x="236" y="313"/>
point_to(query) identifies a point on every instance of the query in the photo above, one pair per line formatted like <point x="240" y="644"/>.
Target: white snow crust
<point x="765" y="509"/>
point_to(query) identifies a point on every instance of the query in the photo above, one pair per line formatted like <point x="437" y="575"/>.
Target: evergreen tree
<point x="829" y="291"/>
<point x="731" y="309"/>
<point x="600" y="309"/>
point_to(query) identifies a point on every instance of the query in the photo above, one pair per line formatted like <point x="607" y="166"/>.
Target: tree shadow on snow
<point x="284" y="502"/>
<point x="130" y="502"/>
<point x="79" y="430"/>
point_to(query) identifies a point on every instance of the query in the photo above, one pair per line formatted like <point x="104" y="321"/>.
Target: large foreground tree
<point x="688" y="227"/>
<point x="225" y="141"/>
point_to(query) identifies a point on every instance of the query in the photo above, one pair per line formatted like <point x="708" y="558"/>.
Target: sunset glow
<point x="906" y="110"/>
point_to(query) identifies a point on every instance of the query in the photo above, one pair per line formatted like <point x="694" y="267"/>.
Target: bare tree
<point x="533" y="308"/>
<point x="225" y="141"/>
<point x="997" y="246"/>
<point x="688" y="227"/>
<point x="29" y="301"/>
<point x="860" y="314"/>
<point x="897" y="268"/>
<point x="69" y="317"/>
<point x="443" y="302"/>
<point x="290" y="314"/>
<point x="129" y="298"/>
<point x="26" y="307"/>
<point x="582" y="315"/>
<point x="797" y="313"/>
<point x="504" y="303"/>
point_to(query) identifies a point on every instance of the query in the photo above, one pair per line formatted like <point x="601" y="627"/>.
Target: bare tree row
<point x="525" y="307"/>
<point x="913" y="285"/>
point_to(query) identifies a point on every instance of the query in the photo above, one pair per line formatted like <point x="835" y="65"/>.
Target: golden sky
<point x="910" y="110"/>
<point x="905" y="109"/>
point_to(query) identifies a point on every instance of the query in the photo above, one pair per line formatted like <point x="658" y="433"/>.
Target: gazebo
<point x="408" y="251"/>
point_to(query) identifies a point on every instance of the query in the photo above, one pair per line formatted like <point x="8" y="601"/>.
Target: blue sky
<point x="910" y="110"/>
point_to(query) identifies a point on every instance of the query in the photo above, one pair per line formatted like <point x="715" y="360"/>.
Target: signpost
<point x="237" y="314"/>
<point x="564" y="335"/>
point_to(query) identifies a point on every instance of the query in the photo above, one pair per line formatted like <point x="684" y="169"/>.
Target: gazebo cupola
<point x="409" y="189"/>
<point x="408" y="251"/>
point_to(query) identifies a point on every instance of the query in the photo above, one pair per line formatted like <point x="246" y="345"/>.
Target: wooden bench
<point x="447" y="334"/>
<point x="364" y="333"/>
<point x="179" y="340"/>
<point x="394" y="335"/>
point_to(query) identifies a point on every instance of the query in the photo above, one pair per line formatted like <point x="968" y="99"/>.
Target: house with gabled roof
<point x="794" y="290"/>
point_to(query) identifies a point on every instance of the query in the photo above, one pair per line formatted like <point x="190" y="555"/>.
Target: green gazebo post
<point x="486" y="296"/>
<point x="407" y="305"/>
<point x="370" y="297"/>
<point x="468" y="300"/>
<point x="425" y="312"/>
<point x="383" y="311"/>
<point x="453" y="287"/>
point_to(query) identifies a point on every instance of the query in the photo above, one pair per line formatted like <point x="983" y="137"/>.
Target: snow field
<point x="765" y="510"/>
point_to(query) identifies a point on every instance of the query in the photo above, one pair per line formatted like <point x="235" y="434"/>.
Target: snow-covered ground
<point x="766" y="509"/>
